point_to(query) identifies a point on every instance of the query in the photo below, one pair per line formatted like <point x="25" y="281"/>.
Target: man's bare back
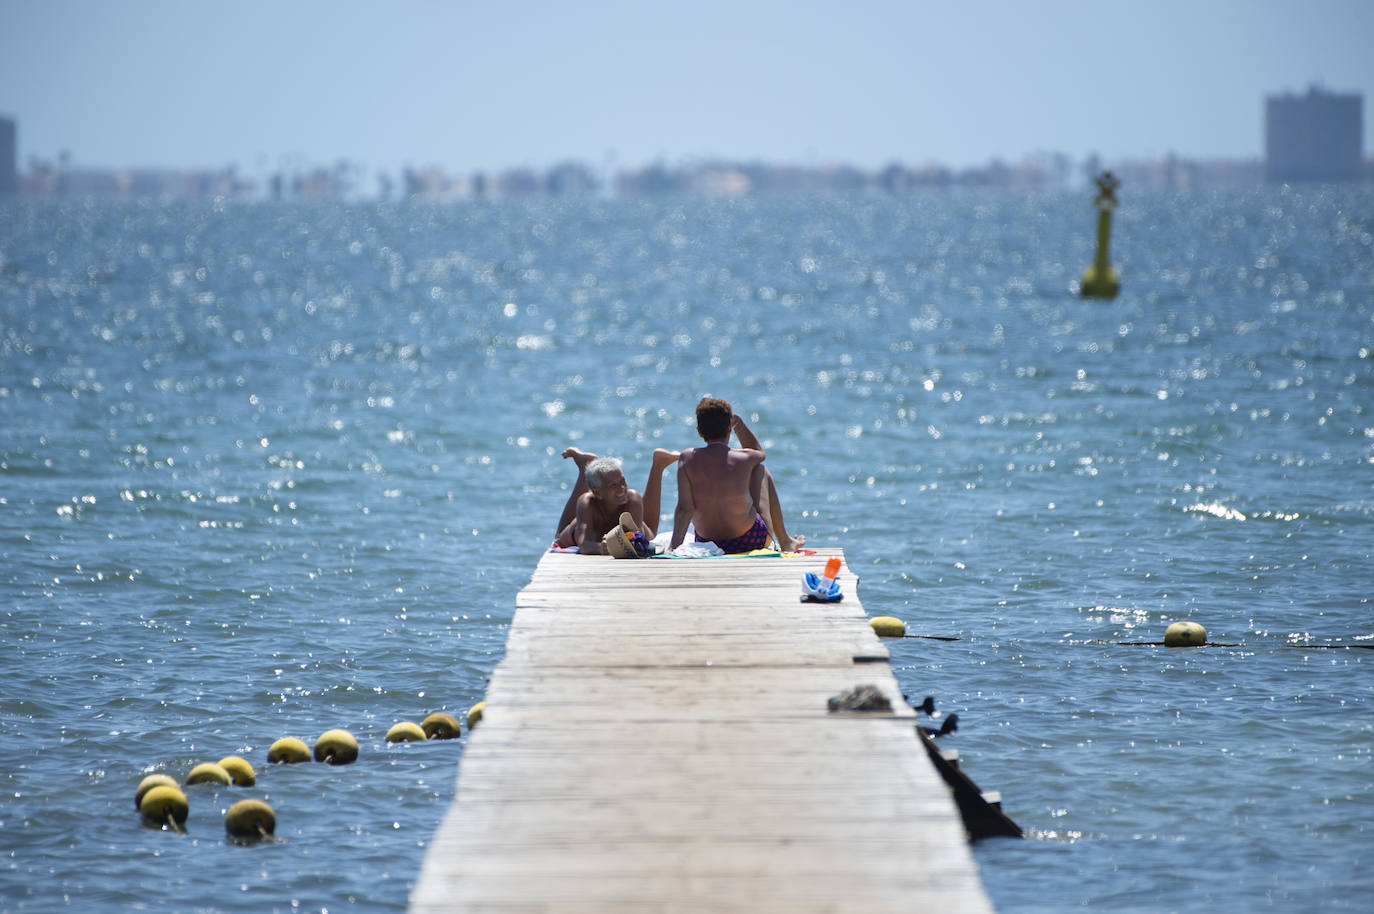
<point x="723" y="485"/>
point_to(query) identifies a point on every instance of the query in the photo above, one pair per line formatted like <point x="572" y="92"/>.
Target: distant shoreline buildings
<point x="1314" y="137"/>
<point x="9" y="148"/>
<point x="1307" y="138"/>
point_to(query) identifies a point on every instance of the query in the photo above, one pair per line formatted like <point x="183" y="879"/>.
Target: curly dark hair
<point x="714" y="416"/>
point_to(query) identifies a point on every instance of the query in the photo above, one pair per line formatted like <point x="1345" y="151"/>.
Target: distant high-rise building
<point x="1314" y="137"/>
<point x="9" y="173"/>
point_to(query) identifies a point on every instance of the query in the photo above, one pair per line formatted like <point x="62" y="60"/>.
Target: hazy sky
<point x="484" y="86"/>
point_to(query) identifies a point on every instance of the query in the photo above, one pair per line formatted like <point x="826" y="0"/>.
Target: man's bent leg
<point x="564" y="534"/>
<point x="771" y="510"/>
<point x="653" y="489"/>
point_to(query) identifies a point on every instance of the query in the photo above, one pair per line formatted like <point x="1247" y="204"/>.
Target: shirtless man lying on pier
<point x="601" y="495"/>
<point x="726" y="493"/>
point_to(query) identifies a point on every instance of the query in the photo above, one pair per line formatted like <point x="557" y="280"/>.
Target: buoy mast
<point x="1100" y="280"/>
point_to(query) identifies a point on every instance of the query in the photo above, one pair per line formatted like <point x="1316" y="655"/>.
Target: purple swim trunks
<point x="756" y="537"/>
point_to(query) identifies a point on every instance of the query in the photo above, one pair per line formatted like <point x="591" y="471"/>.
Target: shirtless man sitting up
<point x="601" y="495"/>
<point x="725" y="492"/>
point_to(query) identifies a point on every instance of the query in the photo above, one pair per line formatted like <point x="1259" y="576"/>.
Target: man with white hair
<point x="601" y="495"/>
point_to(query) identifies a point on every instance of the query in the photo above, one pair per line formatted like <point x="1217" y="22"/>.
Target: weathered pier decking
<point x="657" y="739"/>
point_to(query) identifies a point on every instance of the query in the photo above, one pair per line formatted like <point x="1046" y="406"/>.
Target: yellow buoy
<point x="405" y="732"/>
<point x="1185" y="634"/>
<point x="440" y="726"/>
<point x="240" y="770"/>
<point x="475" y="714"/>
<point x="151" y="781"/>
<point x="208" y="773"/>
<point x="288" y="750"/>
<point x="164" y="807"/>
<point x="1100" y="280"/>
<point x="888" y="626"/>
<point x="336" y="747"/>
<point x="250" y="820"/>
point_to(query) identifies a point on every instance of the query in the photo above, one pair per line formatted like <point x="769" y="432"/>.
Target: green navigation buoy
<point x="1100" y="280"/>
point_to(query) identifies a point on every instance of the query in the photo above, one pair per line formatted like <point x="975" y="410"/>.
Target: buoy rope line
<point x="1179" y="634"/>
<point x="1254" y="645"/>
<point x="162" y="804"/>
<point x="1250" y="644"/>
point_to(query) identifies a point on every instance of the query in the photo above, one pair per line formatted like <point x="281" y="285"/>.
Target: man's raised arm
<point x="744" y="433"/>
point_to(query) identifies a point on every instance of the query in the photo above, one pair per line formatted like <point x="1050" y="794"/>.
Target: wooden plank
<point x="657" y="739"/>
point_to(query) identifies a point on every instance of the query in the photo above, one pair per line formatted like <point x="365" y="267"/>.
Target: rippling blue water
<point x="266" y="471"/>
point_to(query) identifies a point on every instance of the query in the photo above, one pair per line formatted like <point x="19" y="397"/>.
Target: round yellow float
<point x="475" y="714"/>
<point x="1185" y="634"/>
<point x="151" y="781"/>
<point x="888" y="626"/>
<point x="405" y="732"/>
<point x="336" y="747"/>
<point x="440" y="726"/>
<point x="164" y="807"/>
<point x="240" y="770"/>
<point x="208" y="773"/>
<point x="287" y="751"/>
<point x="250" y="820"/>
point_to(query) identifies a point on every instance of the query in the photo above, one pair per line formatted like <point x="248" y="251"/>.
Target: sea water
<point x="268" y="470"/>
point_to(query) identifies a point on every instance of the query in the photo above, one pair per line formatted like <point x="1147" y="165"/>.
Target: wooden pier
<point x="657" y="739"/>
